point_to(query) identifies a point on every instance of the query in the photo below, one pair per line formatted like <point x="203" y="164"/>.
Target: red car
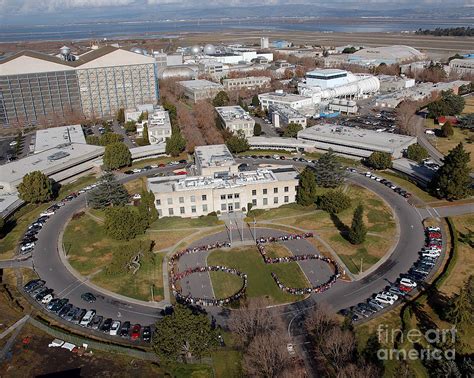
<point x="180" y="173"/>
<point x="435" y="235"/>
<point x="161" y="165"/>
<point x="135" y="335"/>
<point x="405" y="288"/>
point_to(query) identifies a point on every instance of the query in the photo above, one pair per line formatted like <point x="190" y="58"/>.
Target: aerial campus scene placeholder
<point x="227" y="201"/>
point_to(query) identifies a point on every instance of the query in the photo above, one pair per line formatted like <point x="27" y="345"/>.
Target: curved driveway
<point x="48" y="264"/>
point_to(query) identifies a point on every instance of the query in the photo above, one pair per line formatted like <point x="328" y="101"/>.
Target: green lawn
<point x="290" y="210"/>
<point x="228" y="284"/>
<point x="170" y="223"/>
<point x="260" y="282"/>
<point x="227" y="363"/>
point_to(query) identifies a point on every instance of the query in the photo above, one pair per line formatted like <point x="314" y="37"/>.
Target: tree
<point x="175" y="144"/>
<point x="2" y="225"/>
<point x="461" y="308"/>
<point x="370" y="351"/>
<point x="130" y="127"/>
<point x="349" y="50"/>
<point x="257" y="129"/>
<point x="306" y="192"/>
<point x="405" y="117"/>
<point x="338" y="347"/>
<point x="143" y="116"/>
<point x="123" y="223"/>
<point x="291" y="131"/>
<point x="121" y="115"/>
<point x="108" y="192"/>
<point x="255" y="101"/>
<point x="183" y="335"/>
<point x="146" y="138"/>
<point x="328" y="170"/>
<point x="109" y="138"/>
<point x="448" y="104"/>
<point x="146" y="208"/>
<point x="221" y="99"/>
<point x="117" y="155"/>
<point x="36" y="187"/>
<point x="417" y="153"/>
<point x="238" y="143"/>
<point x="447" y="130"/>
<point x="334" y="201"/>
<point x="452" y="180"/>
<point x="358" y="231"/>
<point x="379" y="160"/>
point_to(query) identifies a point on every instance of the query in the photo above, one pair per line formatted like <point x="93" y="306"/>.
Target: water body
<point x="157" y="29"/>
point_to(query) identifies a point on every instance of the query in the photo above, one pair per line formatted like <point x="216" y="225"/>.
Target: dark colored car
<point x="64" y="311"/>
<point x="95" y="323"/>
<point x="147" y="167"/>
<point x="88" y="297"/>
<point x="43" y="294"/>
<point x="135" y="334"/>
<point x="33" y="285"/>
<point x="128" y="172"/>
<point x="146" y="335"/>
<point x="59" y="305"/>
<point x="105" y="327"/>
<point x="78" y="316"/>
<point x="184" y="161"/>
<point x="125" y="329"/>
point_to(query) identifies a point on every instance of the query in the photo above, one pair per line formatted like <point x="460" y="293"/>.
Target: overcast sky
<point x="17" y="7"/>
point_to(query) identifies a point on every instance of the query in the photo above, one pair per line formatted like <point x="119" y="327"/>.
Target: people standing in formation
<point x="176" y="276"/>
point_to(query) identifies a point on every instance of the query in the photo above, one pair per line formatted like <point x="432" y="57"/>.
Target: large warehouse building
<point x="373" y="56"/>
<point x="35" y="87"/>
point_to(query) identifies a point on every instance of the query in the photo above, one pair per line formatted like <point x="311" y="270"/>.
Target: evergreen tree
<point x="146" y="138"/>
<point x="117" y="155"/>
<point x="291" y="131"/>
<point x="121" y="115"/>
<point x="417" y="153"/>
<point x="328" y="171"/>
<point x="93" y="139"/>
<point x="370" y="351"/>
<point x="334" y="201"/>
<point x="447" y="130"/>
<point x="109" y="138"/>
<point x="108" y="192"/>
<point x="306" y="192"/>
<point x="255" y="101"/>
<point x="461" y="309"/>
<point x="358" y="231"/>
<point x="379" y="160"/>
<point x="146" y="209"/>
<point x="237" y="143"/>
<point x="221" y="99"/>
<point x="36" y="187"/>
<point x="452" y="180"/>
<point x="123" y="223"/>
<point x="175" y="144"/>
<point x="183" y="335"/>
<point x="257" y="129"/>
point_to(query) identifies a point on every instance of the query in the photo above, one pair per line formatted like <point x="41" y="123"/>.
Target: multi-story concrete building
<point x="223" y="189"/>
<point x="250" y="82"/>
<point x="462" y="66"/>
<point x="197" y="90"/>
<point x="280" y="97"/>
<point x="282" y="115"/>
<point x="36" y="87"/>
<point x="214" y="160"/>
<point x="158" y="124"/>
<point x="235" y="119"/>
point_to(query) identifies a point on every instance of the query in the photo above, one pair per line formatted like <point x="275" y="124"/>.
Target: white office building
<point x="158" y="124"/>
<point x="197" y="90"/>
<point x="221" y="188"/>
<point x="282" y="98"/>
<point x="282" y="115"/>
<point x="250" y="82"/>
<point x="235" y="119"/>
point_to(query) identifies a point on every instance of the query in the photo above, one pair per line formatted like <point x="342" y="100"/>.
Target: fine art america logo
<point x="429" y="339"/>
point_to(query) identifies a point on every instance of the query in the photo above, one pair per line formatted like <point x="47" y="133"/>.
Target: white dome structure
<point x="137" y="50"/>
<point x="209" y="49"/>
<point x="195" y="50"/>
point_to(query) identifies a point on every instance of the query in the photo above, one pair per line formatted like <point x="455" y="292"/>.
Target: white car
<point x="27" y="246"/>
<point x="47" y="213"/>
<point x="276" y="157"/>
<point x="291" y="349"/>
<point x="115" y="328"/>
<point x="433" y="229"/>
<point x="390" y="295"/>
<point x="137" y="196"/>
<point x="368" y="174"/>
<point x="393" y="187"/>
<point x="47" y="299"/>
<point x="384" y="299"/>
<point x="136" y="170"/>
<point x="13" y="143"/>
<point x="407" y="282"/>
<point x="153" y="166"/>
<point x="173" y="163"/>
<point x="431" y="254"/>
<point x="87" y="318"/>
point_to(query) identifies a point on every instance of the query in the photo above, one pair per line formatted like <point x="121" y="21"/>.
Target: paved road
<point x="343" y="294"/>
<point x="435" y="155"/>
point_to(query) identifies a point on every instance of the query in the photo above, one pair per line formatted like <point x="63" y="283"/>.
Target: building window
<point x="286" y="189"/>
<point x="223" y="207"/>
<point x="170" y="201"/>
<point x="275" y="199"/>
<point x="237" y="206"/>
<point x="160" y="213"/>
<point x="236" y="195"/>
<point x="265" y="201"/>
<point x="193" y="198"/>
<point x="170" y="211"/>
<point x="287" y="199"/>
<point x="204" y="208"/>
<point x="193" y="209"/>
<point x="204" y="197"/>
<point x="265" y="191"/>
<point x="275" y="190"/>
<point x="229" y="196"/>
<point x="254" y="192"/>
<point x="222" y="196"/>
<point x="254" y="202"/>
<point x="181" y="199"/>
<point x="158" y="202"/>
<point x="181" y="210"/>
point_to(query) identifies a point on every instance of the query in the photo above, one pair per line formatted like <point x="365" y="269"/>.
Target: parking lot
<point x="383" y="121"/>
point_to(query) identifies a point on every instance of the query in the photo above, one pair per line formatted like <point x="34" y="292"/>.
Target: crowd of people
<point x="188" y="299"/>
<point x="176" y="276"/>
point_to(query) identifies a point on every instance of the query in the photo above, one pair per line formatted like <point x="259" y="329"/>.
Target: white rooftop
<point x="200" y="84"/>
<point x="283" y="96"/>
<point x="286" y="111"/>
<point x="56" y="136"/>
<point x="327" y="72"/>
<point x="216" y="155"/>
<point x="233" y="113"/>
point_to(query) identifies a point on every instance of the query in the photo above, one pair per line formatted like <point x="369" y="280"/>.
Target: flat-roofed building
<point x="250" y="82"/>
<point x="56" y="136"/>
<point x="235" y="118"/>
<point x="282" y="115"/>
<point x="158" y="125"/>
<point x="355" y="141"/>
<point x="280" y="97"/>
<point x="462" y="66"/>
<point x="214" y="159"/>
<point x="200" y="195"/>
<point x="197" y="90"/>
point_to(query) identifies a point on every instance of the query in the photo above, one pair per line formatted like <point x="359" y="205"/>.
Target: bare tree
<point x="354" y="371"/>
<point x="319" y="321"/>
<point x="406" y="118"/>
<point x="338" y="347"/>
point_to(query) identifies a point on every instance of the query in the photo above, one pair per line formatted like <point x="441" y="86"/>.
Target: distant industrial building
<point x="250" y="82"/>
<point x="462" y="66"/>
<point x="264" y="43"/>
<point x="343" y="106"/>
<point x="36" y="87"/>
<point x="282" y="115"/>
<point x="355" y="142"/>
<point x="236" y="119"/>
<point x="197" y="90"/>
<point x="374" y="56"/>
<point x="280" y="97"/>
<point x="46" y="139"/>
<point x="394" y="83"/>
<point x="220" y="187"/>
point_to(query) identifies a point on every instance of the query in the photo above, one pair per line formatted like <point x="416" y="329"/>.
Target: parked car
<point x="114" y="328"/>
<point x="78" y="316"/>
<point x="87" y="318"/>
<point x="106" y="325"/>
<point x="125" y="329"/>
<point x="88" y="297"/>
<point x="135" y="334"/>
<point x="64" y="311"/>
<point x="33" y="285"/>
<point x="384" y="299"/>
<point x="407" y="282"/>
<point x="59" y="305"/>
<point x="146" y="335"/>
<point x="95" y="323"/>
<point x="43" y="293"/>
